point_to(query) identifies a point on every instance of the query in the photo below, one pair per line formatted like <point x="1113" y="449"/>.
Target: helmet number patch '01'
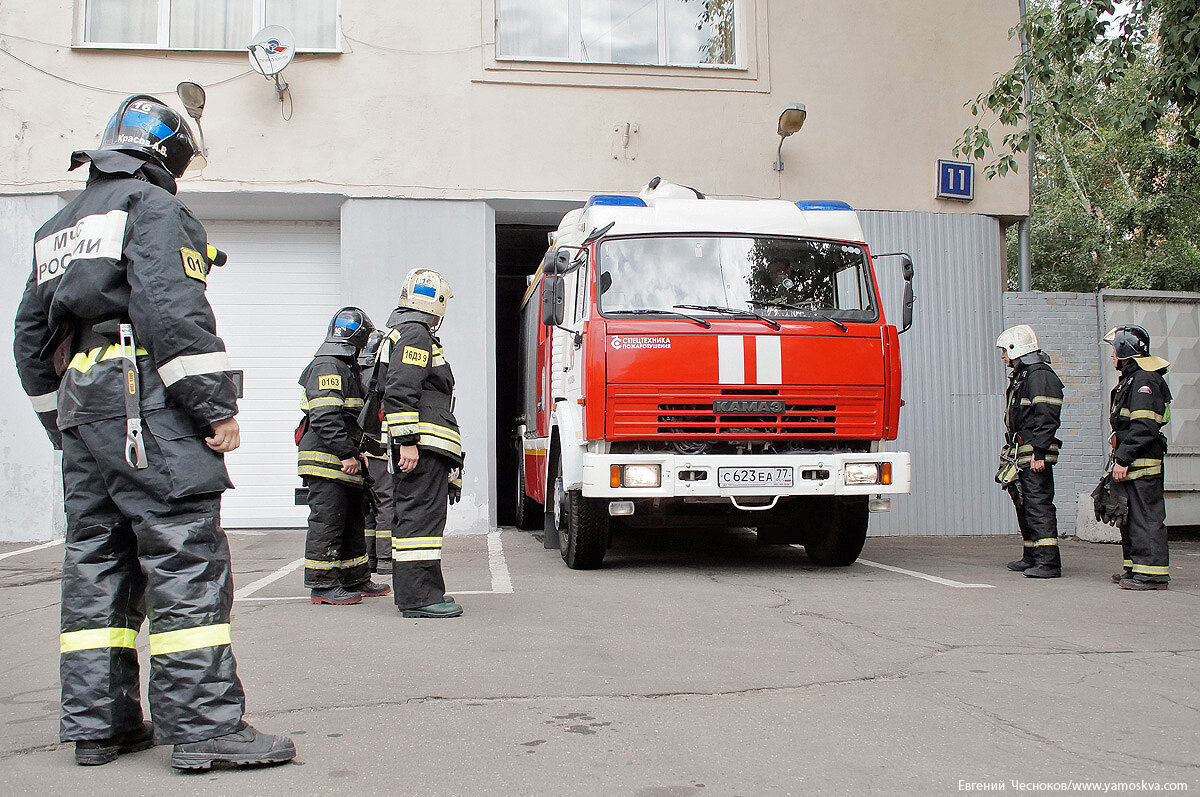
<point x="193" y="264"/>
<point x="414" y="356"/>
<point x="331" y="382"/>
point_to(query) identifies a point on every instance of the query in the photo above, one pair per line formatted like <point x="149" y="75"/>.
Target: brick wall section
<point x="1067" y="327"/>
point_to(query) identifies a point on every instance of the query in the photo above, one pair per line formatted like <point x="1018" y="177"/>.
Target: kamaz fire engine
<point x="689" y="361"/>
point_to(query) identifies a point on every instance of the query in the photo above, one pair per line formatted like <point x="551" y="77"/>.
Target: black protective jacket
<point x="333" y="398"/>
<point x="1139" y="407"/>
<point x="126" y="249"/>
<point x="1033" y="409"/>
<point x="418" y="396"/>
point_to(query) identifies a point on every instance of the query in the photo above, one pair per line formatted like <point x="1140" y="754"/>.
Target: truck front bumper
<point x="734" y="476"/>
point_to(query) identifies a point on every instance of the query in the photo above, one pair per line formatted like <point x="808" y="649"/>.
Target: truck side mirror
<point x="557" y="261"/>
<point x="907" y="265"/>
<point x="554" y="301"/>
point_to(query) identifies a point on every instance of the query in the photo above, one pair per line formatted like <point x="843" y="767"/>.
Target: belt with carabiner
<point x="135" y="448"/>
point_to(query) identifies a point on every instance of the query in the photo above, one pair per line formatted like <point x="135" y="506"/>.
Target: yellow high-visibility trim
<point x="354" y="403"/>
<point x="1127" y="562"/>
<point x="1049" y="541"/>
<point x="96" y="638"/>
<point x="320" y="456"/>
<point x="329" y="473"/>
<point x="1026" y="402"/>
<point x="402" y="417"/>
<point x="417" y="555"/>
<point x="205" y="636"/>
<point x="440" y="431"/>
<point x="370" y="533"/>
<point x="327" y="401"/>
<point x="1028" y="543"/>
<point x="1057" y="402"/>
<point x="1151" y="570"/>
<point x="383" y="533"/>
<point x="430" y="441"/>
<point x="416" y="542"/>
<point x="1146" y="414"/>
<point x="316" y="564"/>
<point x="85" y="361"/>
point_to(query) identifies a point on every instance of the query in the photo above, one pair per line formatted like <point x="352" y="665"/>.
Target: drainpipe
<point x="1024" y="243"/>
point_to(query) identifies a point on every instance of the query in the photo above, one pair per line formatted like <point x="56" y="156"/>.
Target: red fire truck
<point x="689" y="361"/>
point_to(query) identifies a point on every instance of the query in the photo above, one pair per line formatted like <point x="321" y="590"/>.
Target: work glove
<point x="454" y="493"/>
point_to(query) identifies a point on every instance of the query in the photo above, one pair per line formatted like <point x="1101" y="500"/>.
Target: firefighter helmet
<point x="143" y="125"/>
<point x="1018" y="341"/>
<point x="366" y="357"/>
<point x="1132" y="342"/>
<point x="351" y="326"/>
<point x="425" y="290"/>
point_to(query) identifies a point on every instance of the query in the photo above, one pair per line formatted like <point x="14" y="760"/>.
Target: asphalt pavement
<point x="693" y="663"/>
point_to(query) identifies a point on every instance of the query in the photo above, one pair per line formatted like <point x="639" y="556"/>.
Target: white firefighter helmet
<point x="1018" y="341"/>
<point x="425" y="290"/>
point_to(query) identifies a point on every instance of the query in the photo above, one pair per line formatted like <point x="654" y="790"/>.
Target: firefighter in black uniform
<point x="424" y="444"/>
<point x="1033" y="405"/>
<point x="330" y="462"/>
<point x="1140" y="406"/>
<point x="116" y="345"/>
<point x="379" y="510"/>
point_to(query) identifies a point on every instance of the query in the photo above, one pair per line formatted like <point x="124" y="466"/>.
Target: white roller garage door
<point x="273" y="302"/>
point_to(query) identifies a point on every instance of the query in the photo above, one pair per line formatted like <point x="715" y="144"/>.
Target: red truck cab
<point x="688" y="361"/>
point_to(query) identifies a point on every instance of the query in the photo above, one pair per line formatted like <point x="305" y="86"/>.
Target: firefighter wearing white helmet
<point x="424" y="447"/>
<point x="1033" y="406"/>
<point x="1140" y="406"/>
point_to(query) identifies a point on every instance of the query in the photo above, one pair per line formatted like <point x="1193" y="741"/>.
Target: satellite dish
<point x="271" y="50"/>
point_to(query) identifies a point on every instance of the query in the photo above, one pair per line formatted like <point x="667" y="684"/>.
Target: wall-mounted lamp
<point x="790" y="121"/>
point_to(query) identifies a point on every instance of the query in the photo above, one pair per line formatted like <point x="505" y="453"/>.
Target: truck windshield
<point x="777" y="277"/>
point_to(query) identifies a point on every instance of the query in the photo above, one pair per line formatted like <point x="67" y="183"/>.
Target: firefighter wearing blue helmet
<point x="116" y="346"/>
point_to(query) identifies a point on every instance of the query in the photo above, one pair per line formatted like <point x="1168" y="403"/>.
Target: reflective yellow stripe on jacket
<point x="441" y="437"/>
<point x="84" y="361"/>
<point x="401" y="424"/>
<point x="324" y="466"/>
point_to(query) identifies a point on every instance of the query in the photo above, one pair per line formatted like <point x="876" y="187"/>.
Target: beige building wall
<point x="418" y="106"/>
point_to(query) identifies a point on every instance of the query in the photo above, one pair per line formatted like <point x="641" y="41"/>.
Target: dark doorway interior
<point x="519" y="250"/>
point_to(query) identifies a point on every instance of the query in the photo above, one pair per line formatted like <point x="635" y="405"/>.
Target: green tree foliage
<point x="1115" y="113"/>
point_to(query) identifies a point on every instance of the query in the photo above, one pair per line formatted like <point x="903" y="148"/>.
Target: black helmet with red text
<point x="146" y="126"/>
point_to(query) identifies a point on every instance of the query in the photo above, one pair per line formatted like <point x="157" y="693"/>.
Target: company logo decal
<point x="101" y="235"/>
<point x="1145" y="389"/>
<point x="640" y="343"/>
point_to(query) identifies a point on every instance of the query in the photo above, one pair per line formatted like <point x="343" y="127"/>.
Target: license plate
<point x="754" y="477"/>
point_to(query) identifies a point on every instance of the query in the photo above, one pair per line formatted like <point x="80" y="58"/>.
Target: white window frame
<point x="258" y="22"/>
<point x="574" y="33"/>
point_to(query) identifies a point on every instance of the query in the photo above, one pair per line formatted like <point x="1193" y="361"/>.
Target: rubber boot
<point x="371" y="589"/>
<point x="1139" y="585"/>
<point x="1048" y="562"/>
<point x="242" y="748"/>
<point x="336" y="596"/>
<point x="1117" y="578"/>
<point x="443" y="609"/>
<point x="94" y="752"/>
<point x="1022" y="564"/>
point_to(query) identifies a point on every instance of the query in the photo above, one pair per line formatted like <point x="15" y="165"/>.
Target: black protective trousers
<point x="132" y="550"/>
<point x="335" y="551"/>
<point x="1033" y="497"/>
<point x="379" y="522"/>
<point x="419" y="500"/>
<point x="1144" y="535"/>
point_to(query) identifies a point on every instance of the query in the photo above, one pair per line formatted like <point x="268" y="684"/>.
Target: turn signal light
<point x="885" y="473"/>
<point x="614" y="476"/>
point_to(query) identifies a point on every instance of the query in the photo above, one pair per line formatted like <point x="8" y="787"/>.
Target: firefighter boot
<point x="1117" y="578"/>
<point x="336" y="596"/>
<point x="1027" y="559"/>
<point x="1048" y="563"/>
<point x="1137" y="584"/>
<point x="371" y="589"/>
<point x="443" y="609"/>
<point x="243" y="747"/>
<point x="93" y="752"/>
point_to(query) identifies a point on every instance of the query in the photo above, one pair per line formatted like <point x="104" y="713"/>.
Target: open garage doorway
<point x="519" y="251"/>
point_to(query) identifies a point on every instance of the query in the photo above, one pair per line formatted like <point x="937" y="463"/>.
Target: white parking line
<point x="19" y="551"/>
<point x="497" y="567"/>
<point x="925" y="576"/>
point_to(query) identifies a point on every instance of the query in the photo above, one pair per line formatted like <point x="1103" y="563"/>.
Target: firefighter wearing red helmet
<point x="116" y="345"/>
<point x="424" y="444"/>
<point x="1139" y="407"/>
<point x="330" y="462"/>
<point x="1032" y="414"/>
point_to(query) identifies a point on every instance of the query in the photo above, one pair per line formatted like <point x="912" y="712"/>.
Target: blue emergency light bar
<point x="823" y="204"/>
<point x="615" y="200"/>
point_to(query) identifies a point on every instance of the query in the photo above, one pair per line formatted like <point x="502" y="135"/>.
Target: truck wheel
<point x="835" y="538"/>
<point x="528" y="511"/>
<point x="582" y="528"/>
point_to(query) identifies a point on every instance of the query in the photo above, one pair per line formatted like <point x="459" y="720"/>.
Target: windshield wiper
<point x="810" y="310"/>
<point x="713" y="308"/>
<point x="700" y="321"/>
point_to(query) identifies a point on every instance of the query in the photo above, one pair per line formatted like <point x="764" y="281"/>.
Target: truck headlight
<point x="635" y="476"/>
<point x="862" y="473"/>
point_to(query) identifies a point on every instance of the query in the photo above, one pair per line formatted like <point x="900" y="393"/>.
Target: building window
<point x="207" y="24"/>
<point x="644" y="32"/>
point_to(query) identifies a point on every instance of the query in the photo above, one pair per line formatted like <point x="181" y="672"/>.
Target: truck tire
<point x="835" y="538"/>
<point x="528" y="511"/>
<point x="582" y="529"/>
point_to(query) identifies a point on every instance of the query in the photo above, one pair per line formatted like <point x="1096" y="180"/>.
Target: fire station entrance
<point x="519" y="250"/>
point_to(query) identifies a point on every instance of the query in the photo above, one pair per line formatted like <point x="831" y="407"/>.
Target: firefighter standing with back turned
<point x="1033" y="405"/>
<point x="330" y="462"/>
<point x="116" y="346"/>
<point x="425" y="447"/>
<point x="1139" y="407"/>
